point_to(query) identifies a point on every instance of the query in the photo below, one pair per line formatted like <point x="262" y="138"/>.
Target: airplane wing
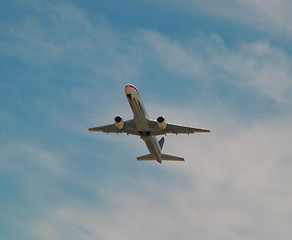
<point x="173" y="128"/>
<point x="129" y="128"/>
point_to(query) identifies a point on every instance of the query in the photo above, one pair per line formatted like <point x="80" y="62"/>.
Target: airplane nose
<point x="127" y="91"/>
<point x="131" y="91"/>
<point x="131" y="88"/>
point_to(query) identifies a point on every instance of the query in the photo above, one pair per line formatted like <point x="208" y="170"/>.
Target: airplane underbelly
<point x="139" y="115"/>
<point x="137" y="108"/>
<point x="153" y="146"/>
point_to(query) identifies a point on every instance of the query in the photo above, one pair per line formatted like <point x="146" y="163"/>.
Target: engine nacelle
<point x="119" y="122"/>
<point x="161" y="123"/>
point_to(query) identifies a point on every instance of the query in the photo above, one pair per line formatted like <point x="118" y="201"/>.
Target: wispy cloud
<point x="256" y="65"/>
<point x="62" y="36"/>
<point x="24" y="154"/>
<point x="270" y="16"/>
<point x="236" y="188"/>
<point x="234" y="183"/>
<point x="108" y="54"/>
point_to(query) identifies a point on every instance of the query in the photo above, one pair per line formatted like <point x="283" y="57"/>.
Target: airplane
<point x="141" y="125"/>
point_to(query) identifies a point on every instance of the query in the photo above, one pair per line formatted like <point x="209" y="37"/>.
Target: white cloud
<point x="19" y="156"/>
<point x="172" y="54"/>
<point x="256" y="65"/>
<point x="272" y="16"/>
<point x="62" y="36"/>
<point x="105" y="53"/>
<point x="232" y="186"/>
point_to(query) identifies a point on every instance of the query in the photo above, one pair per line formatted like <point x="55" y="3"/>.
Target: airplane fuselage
<point x="141" y="121"/>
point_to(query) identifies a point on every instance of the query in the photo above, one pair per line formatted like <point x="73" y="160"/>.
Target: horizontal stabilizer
<point x="166" y="157"/>
<point x="147" y="157"/>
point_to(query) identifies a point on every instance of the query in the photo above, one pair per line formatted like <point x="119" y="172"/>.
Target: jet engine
<point x="161" y="123"/>
<point x="119" y="122"/>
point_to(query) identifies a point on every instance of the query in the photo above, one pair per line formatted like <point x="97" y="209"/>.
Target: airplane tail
<point x="161" y="142"/>
<point x="164" y="157"/>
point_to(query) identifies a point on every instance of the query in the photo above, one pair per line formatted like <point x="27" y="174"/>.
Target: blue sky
<point x="223" y="66"/>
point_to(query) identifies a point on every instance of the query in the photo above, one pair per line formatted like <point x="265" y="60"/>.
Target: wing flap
<point x="107" y="129"/>
<point x="129" y="128"/>
<point x="173" y="128"/>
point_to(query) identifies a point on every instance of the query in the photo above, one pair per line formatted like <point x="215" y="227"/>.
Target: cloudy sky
<point x="222" y="66"/>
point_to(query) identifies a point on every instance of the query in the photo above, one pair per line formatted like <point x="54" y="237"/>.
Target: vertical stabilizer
<point x="161" y="142"/>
